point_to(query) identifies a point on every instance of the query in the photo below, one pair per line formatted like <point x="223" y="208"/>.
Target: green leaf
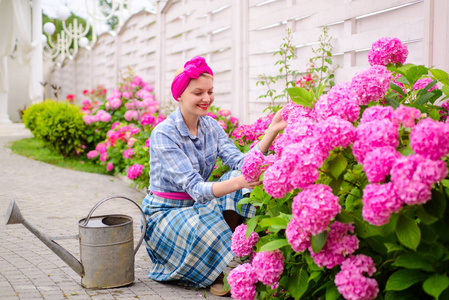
<point x="397" y="88"/>
<point x="338" y="165"/>
<point x="402" y="279"/>
<point x="415" y="72"/>
<point x="298" y="283"/>
<point x="408" y="232"/>
<point x="424" y="216"/>
<point x="301" y="96"/>
<point x="400" y="295"/>
<point x="445" y="89"/>
<point x="435" y="285"/>
<point x="437" y="205"/>
<point x="332" y="293"/>
<point x="344" y="217"/>
<point x="318" y="241"/>
<point x="250" y="226"/>
<point x="278" y="221"/>
<point x="423" y="99"/>
<point x="440" y="75"/>
<point x="413" y="261"/>
<point x="392" y="102"/>
<point x="403" y="80"/>
<point x="273" y="245"/>
<point x="393" y="247"/>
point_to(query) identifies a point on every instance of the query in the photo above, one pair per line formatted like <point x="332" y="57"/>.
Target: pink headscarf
<point x="192" y="70"/>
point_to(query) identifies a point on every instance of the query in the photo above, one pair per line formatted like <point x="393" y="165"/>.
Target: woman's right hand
<point x="248" y="184"/>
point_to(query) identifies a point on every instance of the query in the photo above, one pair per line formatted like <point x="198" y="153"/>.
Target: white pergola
<point x="21" y="36"/>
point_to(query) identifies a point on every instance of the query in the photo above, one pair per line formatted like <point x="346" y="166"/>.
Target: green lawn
<point x="35" y="149"/>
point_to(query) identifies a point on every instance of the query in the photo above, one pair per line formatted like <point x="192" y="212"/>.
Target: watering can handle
<point x="121" y="197"/>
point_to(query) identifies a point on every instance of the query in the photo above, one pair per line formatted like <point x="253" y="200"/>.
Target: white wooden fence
<point x="238" y="39"/>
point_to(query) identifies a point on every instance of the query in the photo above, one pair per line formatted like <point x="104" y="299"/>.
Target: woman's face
<point x="197" y="97"/>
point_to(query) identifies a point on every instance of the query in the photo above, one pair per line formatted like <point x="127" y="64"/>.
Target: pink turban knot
<point x="192" y="70"/>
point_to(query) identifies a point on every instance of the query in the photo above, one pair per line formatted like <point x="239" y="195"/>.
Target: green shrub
<point x="31" y="114"/>
<point x="60" y="125"/>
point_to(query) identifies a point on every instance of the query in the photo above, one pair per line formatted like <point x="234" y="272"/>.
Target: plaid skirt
<point x="190" y="243"/>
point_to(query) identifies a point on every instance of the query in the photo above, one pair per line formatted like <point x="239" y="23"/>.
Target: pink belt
<point x="174" y="196"/>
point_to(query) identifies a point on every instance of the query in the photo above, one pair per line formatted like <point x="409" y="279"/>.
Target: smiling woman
<point x="190" y="220"/>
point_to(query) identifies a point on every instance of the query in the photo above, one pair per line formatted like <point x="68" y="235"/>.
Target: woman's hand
<point x="231" y="185"/>
<point x="248" y="184"/>
<point x="278" y="123"/>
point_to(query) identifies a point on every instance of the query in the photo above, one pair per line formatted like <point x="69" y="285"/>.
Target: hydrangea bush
<point x="354" y="197"/>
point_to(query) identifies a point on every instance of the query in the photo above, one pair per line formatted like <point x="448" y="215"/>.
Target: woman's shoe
<point x="217" y="288"/>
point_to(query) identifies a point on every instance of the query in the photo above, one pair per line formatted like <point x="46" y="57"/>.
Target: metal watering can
<point x="106" y="246"/>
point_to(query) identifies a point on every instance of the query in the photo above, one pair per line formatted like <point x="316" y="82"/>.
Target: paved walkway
<point x="54" y="200"/>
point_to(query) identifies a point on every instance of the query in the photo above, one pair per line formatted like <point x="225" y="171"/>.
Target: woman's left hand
<point x="278" y="123"/>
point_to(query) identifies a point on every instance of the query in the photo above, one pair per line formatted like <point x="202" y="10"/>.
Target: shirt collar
<point x="182" y="127"/>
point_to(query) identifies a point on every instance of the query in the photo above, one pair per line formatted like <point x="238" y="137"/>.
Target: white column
<point x="4" y="116"/>
<point x="37" y="39"/>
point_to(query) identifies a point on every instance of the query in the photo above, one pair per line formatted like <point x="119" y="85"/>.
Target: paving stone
<point x="54" y="200"/>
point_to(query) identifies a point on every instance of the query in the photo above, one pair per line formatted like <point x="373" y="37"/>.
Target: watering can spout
<point x="14" y="216"/>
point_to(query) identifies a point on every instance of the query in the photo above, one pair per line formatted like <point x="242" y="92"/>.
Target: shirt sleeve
<point x="228" y="151"/>
<point x="176" y="166"/>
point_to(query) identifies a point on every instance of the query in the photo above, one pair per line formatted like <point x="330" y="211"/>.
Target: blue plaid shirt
<point x="182" y="162"/>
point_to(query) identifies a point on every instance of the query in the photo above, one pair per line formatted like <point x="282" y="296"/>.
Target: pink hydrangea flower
<point x="234" y="121"/>
<point x="378" y="163"/>
<point x="131" y="115"/>
<point x="315" y="207"/>
<point x="110" y="167"/>
<point x="302" y="128"/>
<point x="101" y="147"/>
<point x="373" y="135"/>
<point x="268" y="266"/>
<point x="92" y="154"/>
<point x="379" y="202"/>
<point x="337" y="102"/>
<point x="134" y="171"/>
<point x="128" y="153"/>
<point x="224" y="112"/>
<point x="276" y="182"/>
<point x="430" y="139"/>
<point x="296" y="236"/>
<point x="371" y="85"/>
<point x="335" y="132"/>
<point x="147" y="119"/>
<point x="253" y="165"/>
<point x="222" y="124"/>
<point x="292" y="112"/>
<point x="422" y="83"/>
<point x="104" y="116"/>
<point x="413" y="177"/>
<point x="352" y="282"/>
<point x="406" y="116"/>
<point x="339" y="244"/>
<point x="242" y="280"/>
<point x="377" y="112"/>
<point x="104" y="156"/>
<point x="241" y="246"/>
<point x="387" y="50"/>
<point x="147" y="143"/>
<point x="114" y="103"/>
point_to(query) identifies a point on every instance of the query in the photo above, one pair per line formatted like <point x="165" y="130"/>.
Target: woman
<point x="189" y="220"/>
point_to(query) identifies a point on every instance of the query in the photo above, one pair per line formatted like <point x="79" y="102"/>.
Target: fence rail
<point x="238" y="39"/>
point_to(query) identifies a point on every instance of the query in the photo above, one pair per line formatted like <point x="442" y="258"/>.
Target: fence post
<point x="240" y="64"/>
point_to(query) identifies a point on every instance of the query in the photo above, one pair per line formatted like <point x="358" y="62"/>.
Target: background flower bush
<point x="356" y="199"/>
